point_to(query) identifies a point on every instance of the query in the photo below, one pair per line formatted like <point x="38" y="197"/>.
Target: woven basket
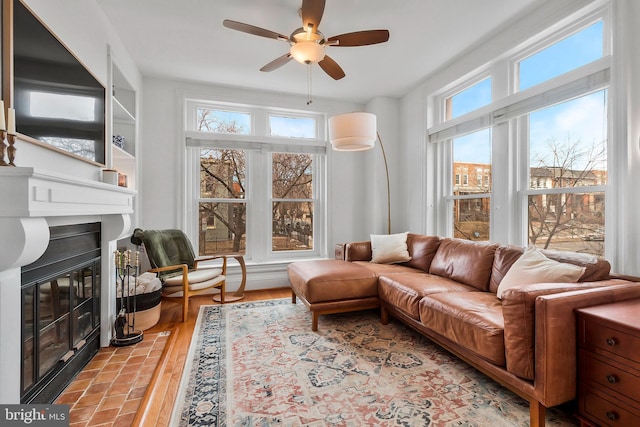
<point x="148" y="308"/>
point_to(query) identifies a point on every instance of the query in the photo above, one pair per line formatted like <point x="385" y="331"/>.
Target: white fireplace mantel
<point x="32" y="200"/>
<point x="35" y="193"/>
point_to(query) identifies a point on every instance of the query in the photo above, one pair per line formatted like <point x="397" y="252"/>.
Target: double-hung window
<point x="544" y="142"/>
<point x="255" y="181"/>
<point x="468" y="154"/>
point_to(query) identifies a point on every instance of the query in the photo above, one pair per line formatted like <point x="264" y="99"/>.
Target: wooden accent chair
<point x="171" y="256"/>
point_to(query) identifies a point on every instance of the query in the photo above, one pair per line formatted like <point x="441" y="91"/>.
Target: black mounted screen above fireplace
<point x="61" y="311"/>
<point x="58" y="101"/>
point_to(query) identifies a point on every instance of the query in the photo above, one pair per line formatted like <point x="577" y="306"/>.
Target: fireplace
<point x="69" y="303"/>
<point x="60" y="311"/>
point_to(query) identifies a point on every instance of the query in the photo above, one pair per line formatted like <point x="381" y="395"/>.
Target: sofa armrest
<point x="358" y="251"/>
<point x="624" y="277"/>
<point x="518" y="311"/>
<point x="556" y="361"/>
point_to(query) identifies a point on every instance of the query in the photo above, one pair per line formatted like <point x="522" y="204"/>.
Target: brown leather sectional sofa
<point x="526" y="340"/>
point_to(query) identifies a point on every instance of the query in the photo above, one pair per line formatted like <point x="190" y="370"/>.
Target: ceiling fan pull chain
<point x="309" y="100"/>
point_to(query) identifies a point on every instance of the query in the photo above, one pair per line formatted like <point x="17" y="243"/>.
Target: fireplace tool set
<point x="126" y="279"/>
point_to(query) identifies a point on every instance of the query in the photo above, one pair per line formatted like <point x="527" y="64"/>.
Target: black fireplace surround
<point x="60" y="312"/>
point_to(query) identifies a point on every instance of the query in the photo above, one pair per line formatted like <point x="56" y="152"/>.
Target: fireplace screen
<point x="61" y="311"/>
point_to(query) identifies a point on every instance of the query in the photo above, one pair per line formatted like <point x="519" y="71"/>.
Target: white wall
<point x="627" y="77"/>
<point x="387" y="111"/>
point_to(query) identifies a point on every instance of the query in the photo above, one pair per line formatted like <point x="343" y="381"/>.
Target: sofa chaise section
<point x="332" y="286"/>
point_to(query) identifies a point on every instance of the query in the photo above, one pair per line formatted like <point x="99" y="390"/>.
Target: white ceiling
<point x="185" y="40"/>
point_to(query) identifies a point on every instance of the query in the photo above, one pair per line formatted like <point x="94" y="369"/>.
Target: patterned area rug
<point x="259" y="364"/>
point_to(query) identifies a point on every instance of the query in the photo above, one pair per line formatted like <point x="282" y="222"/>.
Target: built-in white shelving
<point x="124" y="124"/>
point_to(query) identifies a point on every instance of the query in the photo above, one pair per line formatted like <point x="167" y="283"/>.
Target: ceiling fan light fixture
<point x="307" y="52"/>
<point x="307" y="45"/>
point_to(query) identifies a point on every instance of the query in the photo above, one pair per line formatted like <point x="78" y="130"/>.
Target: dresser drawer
<point x="596" y="336"/>
<point x="605" y="410"/>
<point x="618" y="379"/>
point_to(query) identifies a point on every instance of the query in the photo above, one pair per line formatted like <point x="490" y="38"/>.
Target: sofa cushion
<point x="464" y="261"/>
<point x="331" y="280"/>
<point x="386" y="269"/>
<point x="470" y="319"/>
<point x="358" y="251"/>
<point x="195" y="276"/>
<point x="422" y="250"/>
<point x="596" y="268"/>
<point x="405" y="290"/>
<point x="534" y="267"/>
<point x="389" y="248"/>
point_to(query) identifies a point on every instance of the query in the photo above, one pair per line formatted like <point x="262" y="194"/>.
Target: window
<point x="294" y="127"/>
<point x="292" y="202"/>
<point x="570" y="156"/>
<point x="471" y="203"/>
<point x="258" y="190"/>
<point x="548" y="145"/>
<point x="576" y="50"/>
<point x="220" y="121"/>
<point x="469" y="99"/>
<point x="222" y="205"/>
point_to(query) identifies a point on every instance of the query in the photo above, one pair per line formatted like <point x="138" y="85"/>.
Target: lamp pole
<point x="386" y="169"/>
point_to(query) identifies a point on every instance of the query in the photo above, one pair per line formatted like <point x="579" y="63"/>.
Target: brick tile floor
<point x="108" y="391"/>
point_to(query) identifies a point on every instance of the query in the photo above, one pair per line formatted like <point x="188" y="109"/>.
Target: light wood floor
<point x="156" y="407"/>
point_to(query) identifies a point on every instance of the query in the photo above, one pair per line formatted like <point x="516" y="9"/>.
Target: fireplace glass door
<point x="61" y="312"/>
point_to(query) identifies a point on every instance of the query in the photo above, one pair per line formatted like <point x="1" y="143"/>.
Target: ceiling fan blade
<point x="331" y="67"/>
<point x="359" y="38"/>
<point x="277" y="63"/>
<point x="311" y="12"/>
<point x="251" y="29"/>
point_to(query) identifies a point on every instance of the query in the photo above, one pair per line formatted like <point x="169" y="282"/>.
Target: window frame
<point x="510" y="133"/>
<point x="456" y="88"/>
<point x="546" y="40"/>
<point x="258" y="148"/>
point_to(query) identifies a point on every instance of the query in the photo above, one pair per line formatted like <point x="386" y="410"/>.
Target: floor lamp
<point x="358" y="132"/>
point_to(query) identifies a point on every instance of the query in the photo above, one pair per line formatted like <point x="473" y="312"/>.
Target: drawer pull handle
<point x="612" y="379"/>
<point x="612" y="415"/>
<point x="612" y="341"/>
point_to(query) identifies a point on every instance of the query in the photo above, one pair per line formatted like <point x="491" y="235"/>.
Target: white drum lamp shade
<point x="353" y="131"/>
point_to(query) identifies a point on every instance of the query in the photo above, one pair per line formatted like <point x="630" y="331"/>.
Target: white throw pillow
<point x="389" y="248"/>
<point x="533" y="267"/>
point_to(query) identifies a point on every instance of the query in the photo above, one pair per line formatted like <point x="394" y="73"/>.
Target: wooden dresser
<point x="609" y="364"/>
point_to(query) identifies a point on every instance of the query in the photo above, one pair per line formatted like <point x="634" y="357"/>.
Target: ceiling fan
<point x="308" y="44"/>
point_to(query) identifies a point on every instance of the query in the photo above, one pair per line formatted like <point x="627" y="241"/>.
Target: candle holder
<point x="11" y="151"/>
<point x="3" y="146"/>
<point x="126" y="279"/>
